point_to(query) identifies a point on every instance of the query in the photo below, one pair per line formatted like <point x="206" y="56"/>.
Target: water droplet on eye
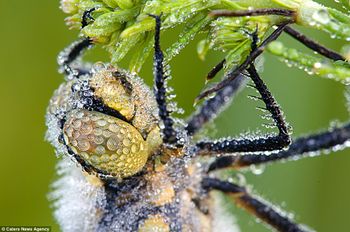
<point x="74" y="143"/>
<point x="126" y="142"/>
<point x="107" y="134"/>
<point x="86" y="129"/>
<point x="112" y="144"/>
<point x="69" y="131"/>
<point x="141" y="147"/>
<point x="75" y="134"/>
<point x="95" y="159"/>
<point x="114" y="157"/>
<point x="100" y="150"/>
<point x="257" y="169"/>
<point x="98" y="140"/>
<point x="114" y="128"/>
<point x="105" y="158"/>
<point x="126" y="151"/>
<point x="83" y="145"/>
<point x="101" y="122"/>
<point x="94" y="118"/>
<point x="85" y="155"/>
<point x="85" y="119"/>
<point x="134" y="148"/>
<point x="98" y="131"/>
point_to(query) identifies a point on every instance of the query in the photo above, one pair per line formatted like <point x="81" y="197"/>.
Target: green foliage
<point x="339" y="70"/>
<point x="124" y="25"/>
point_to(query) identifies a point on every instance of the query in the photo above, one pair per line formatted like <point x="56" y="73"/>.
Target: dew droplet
<point x="101" y="123"/>
<point x="97" y="67"/>
<point x="134" y="148"/>
<point x="83" y="145"/>
<point x="126" y="150"/>
<point x="100" y="150"/>
<point x="126" y="142"/>
<point x="257" y="169"/>
<point x="112" y="144"/>
<point x="86" y="129"/>
<point x="114" y="128"/>
<point x="321" y="16"/>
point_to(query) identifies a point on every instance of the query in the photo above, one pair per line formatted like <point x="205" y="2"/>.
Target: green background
<point x="316" y="190"/>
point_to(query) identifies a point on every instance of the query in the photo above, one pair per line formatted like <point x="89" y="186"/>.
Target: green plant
<point x="121" y="26"/>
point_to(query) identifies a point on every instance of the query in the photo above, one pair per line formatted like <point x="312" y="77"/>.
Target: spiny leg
<point x="70" y="54"/>
<point x="169" y="134"/>
<point x="270" y="143"/>
<point x="75" y="50"/>
<point x="252" y="56"/>
<point x="87" y="16"/>
<point x="254" y="12"/>
<point x="213" y="106"/>
<point x="264" y="211"/>
<point x="315" y="46"/>
<point x="217" y="68"/>
<point x="336" y="137"/>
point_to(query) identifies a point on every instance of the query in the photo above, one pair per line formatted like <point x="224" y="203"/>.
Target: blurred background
<point x="315" y="190"/>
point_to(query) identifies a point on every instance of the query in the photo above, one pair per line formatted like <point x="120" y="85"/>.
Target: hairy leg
<point x="253" y="55"/>
<point x="254" y="12"/>
<point x="313" y="44"/>
<point x="212" y="107"/>
<point x="71" y="54"/>
<point x="261" y="209"/>
<point x="87" y="16"/>
<point x="217" y="68"/>
<point x="269" y="143"/>
<point x="301" y="147"/>
<point x="169" y="133"/>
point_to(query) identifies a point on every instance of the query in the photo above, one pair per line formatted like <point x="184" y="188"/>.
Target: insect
<point x="138" y="169"/>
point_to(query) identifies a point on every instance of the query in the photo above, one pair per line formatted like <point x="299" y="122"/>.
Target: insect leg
<point x="70" y="54"/>
<point x="217" y="68"/>
<point x="258" y="207"/>
<point x="87" y="16"/>
<point x="169" y="134"/>
<point x="213" y="106"/>
<point x="300" y="148"/>
<point x="269" y="143"/>
<point x="254" y="12"/>
<point x="315" y="46"/>
<point x="253" y="55"/>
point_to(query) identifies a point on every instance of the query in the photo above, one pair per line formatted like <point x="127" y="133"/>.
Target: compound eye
<point x="108" y="144"/>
